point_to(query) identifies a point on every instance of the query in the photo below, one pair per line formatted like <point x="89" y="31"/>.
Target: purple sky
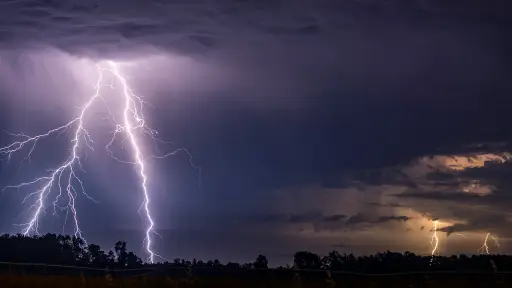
<point x="318" y="124"/>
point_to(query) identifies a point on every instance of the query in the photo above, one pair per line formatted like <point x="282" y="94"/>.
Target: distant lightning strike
<point x="495" y="239"/>
<point x="485" y="247"/>
<point x="132" y="120"/>
<point x="434" y="241"/>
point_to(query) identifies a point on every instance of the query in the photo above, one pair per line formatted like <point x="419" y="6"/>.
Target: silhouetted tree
<point x="333" y="261"/>
<point x="69" y="250"/>
<point x="111" y="257"/>
<point x="132" y="261"/>
<point x="232" y="265"/>
<point x="261" y="262"/>
<point x="97" y="257"/>
<point x="306" y="260"/>
<point x="121" y="253"/>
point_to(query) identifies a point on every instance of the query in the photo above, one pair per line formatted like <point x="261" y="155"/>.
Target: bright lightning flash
<point x="434" y="242"/>
<point x="132" y="122"/>
<point x="131" y="113"/>
<point x="485" y="246"/>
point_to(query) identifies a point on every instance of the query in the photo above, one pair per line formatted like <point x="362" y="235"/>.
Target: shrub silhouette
<point x="72" y="251"/>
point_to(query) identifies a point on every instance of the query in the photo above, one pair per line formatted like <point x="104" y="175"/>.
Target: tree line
<point x="68" y="250"/>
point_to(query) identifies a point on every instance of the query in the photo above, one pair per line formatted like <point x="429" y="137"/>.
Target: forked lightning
<point x="132" y="122"/>
<point x="434" y="241"/>
<point x="485" y="246"/>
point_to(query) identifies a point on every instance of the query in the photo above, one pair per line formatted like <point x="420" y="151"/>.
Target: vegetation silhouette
<point x="67" y="250"/>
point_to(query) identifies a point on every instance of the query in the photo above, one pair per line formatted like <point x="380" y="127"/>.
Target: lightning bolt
<point x="496" y="242"/>
<point x="485" y="247"/>
<point x="434" y="242"/>
<point x="54" y="178"/>
<point x="132" y="121"/>
<point x="132" y="113"/>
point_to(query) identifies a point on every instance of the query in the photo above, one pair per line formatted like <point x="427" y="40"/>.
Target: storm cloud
<point x="317" y="124"/>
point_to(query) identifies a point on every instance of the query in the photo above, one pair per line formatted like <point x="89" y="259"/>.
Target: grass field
<point x="270" y="278"/>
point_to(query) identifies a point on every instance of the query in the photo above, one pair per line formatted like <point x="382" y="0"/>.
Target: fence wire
<point x="164" y="267"/>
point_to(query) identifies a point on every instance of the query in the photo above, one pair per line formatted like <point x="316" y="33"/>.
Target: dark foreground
<point x="267" y="278"/>
<point x="69" y="262"/>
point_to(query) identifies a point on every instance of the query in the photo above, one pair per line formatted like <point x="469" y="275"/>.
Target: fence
<point x="69" y="276"/>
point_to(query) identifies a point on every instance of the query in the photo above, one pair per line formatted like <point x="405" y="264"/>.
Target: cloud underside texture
<point x="385" y="96"/>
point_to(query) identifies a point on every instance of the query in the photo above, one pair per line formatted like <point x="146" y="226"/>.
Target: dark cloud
<point x="280" y="218"/>
<point x="331" y="222"/>
<point x="492" y="173"/>
<point x="306" y="217"/>
<point x="364" y="219"/>
<point x="440" y="196"/>
<point x="289" y="107"/>
<point x="357" y="219"/>
<point x="393" y="205"/>
<point x="334" y="218"/>
<point x="495" y="174"/>
<point x="489" y="223"/>
<point x="384" y="219"/>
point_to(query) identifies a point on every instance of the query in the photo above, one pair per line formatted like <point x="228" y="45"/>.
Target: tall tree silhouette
<point x="133" y="261"/>
<point x="333" y="261"/>
<point x="261" y="262"/>
<point x="307" y="260"/>
<point x="121" y="254"/>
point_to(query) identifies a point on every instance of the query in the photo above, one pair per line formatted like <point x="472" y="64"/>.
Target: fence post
<point x="329" y="280"/>
<point x="82" y="278"/>
<point x="108" y="276"/>
<point x="189" y="277"/>
<point x="297" y="282"/>
<point x="145" y="280"/>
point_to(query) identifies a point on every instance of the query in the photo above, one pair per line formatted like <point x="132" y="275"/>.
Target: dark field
<point x="55" y="277"/>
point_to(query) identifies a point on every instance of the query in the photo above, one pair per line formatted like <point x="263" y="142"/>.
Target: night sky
<point x="317" y="124"/>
